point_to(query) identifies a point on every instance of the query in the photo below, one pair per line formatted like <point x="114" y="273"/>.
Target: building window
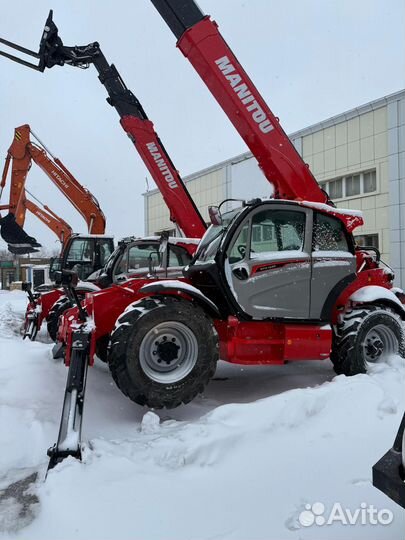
<point x="367" y="240"/>
<point x="369" y="182"/>
<point x="336" y="188"/>
<point x="351" y="185"/>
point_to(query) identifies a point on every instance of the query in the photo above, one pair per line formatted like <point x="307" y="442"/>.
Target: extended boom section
<point x="134" y="120"/>
<point x="201" y="42"/>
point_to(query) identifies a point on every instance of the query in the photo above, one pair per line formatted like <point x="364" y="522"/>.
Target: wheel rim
<point x="379" y="343"/>
<point x="168" y="352"/>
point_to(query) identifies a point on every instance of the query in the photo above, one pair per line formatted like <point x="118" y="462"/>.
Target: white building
<point x="357" y="156"/>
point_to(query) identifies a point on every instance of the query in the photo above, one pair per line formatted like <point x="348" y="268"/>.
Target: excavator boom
<point x="133" y="120"/>
<point x="201" y="42"/>
<point x="23" y="150"/>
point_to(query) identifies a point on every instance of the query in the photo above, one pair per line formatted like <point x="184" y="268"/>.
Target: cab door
<point x="333" y="263"/>
<point x="268" y="265"/>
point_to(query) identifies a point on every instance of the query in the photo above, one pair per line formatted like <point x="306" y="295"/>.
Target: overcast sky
<point x="310" y="59"/>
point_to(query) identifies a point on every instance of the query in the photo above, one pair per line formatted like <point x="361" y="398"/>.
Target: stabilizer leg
<point x="69" y="438"/>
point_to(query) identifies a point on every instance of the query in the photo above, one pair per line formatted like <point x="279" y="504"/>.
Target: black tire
<point x="129" y="363"/>
<point x="52" y="321"/>
<point x="364" y="336"/>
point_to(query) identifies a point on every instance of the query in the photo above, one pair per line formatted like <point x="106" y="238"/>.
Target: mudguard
<point x="376" y="293"/>
<point x="174" y="287"/>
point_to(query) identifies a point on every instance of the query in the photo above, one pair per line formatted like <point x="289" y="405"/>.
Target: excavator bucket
<point x="47" y="46"/>
<point x="19" y="242"/>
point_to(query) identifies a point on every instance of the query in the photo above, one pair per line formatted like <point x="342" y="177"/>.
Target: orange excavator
<point x="22" y="152"/>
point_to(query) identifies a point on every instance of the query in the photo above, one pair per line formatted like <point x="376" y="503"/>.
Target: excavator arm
<point x="23" y="150"/>
<point x="201" y="42"/>
<point x="55" y="223"/>
<point x="133" y="120"/>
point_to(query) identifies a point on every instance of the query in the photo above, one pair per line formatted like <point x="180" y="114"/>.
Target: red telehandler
<point x="299" y="290"/>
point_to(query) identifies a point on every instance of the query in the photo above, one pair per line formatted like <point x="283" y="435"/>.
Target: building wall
<point x="396" y="175"/>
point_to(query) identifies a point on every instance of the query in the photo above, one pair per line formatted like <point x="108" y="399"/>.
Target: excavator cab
<point x="85" y="254"/>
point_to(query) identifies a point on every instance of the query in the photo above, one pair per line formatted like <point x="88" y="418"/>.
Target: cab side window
<point x="178" y="256"/>
<point x="238" y="249"/>
<point x="82" y="249"/>
<point x="328" y="234"/>
<point x="139" y="256"/>
<point x="277" y="230"/>
<point x="105" y="251"/>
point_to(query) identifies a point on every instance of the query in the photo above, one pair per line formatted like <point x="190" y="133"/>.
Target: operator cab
<point x="275" y="259"/>
<point x="84" y="255"/>
<point x="135" y="258"/>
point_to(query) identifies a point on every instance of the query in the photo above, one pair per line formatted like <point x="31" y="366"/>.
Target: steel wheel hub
<point x="168" y="352"/>
<point x="379" y="343"/>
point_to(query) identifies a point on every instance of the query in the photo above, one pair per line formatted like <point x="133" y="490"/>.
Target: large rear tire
<point x="367" y="335"/>
<point x="163" y="352"/>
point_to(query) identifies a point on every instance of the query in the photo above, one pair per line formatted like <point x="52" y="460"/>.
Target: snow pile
<point x="229" y="465"/>
<point x="12" y="314"/>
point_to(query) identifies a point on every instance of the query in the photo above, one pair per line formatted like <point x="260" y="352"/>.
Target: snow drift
<point x="229" y="465"/>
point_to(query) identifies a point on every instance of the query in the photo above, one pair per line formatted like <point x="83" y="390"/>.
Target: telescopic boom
<point x="201" y="42"/>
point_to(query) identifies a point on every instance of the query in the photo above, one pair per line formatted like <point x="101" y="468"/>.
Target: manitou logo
<point x="60" y="179"/>
<point x="161" y="163"/>
<point x="244" y="94"/>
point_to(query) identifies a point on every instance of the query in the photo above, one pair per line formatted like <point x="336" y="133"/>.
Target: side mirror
<point x="26" y="286"/>
<point x="54" y="266"/>
<point x="66" y="278"/>
<point x="153" y="263"/>
<point x="103" y="281"/>
<point x="69" y="278"/>
<point x="215" y="215"/>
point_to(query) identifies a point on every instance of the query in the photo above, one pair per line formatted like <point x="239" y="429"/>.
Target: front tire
<point x="365" y="336"/>
<point x="52" y="321"/>
<point x="163" y="352"/>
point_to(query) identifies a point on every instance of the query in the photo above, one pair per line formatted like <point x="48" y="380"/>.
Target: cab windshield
<point x="211" y="240"/>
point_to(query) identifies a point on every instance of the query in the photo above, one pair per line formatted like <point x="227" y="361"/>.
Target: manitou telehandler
<point x="273" y="281"/>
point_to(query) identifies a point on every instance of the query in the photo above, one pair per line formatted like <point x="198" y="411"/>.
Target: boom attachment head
<point x="51" y="50"/>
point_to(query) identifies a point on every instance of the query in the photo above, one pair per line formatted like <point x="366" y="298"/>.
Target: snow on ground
<point x="239" y="463"/>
